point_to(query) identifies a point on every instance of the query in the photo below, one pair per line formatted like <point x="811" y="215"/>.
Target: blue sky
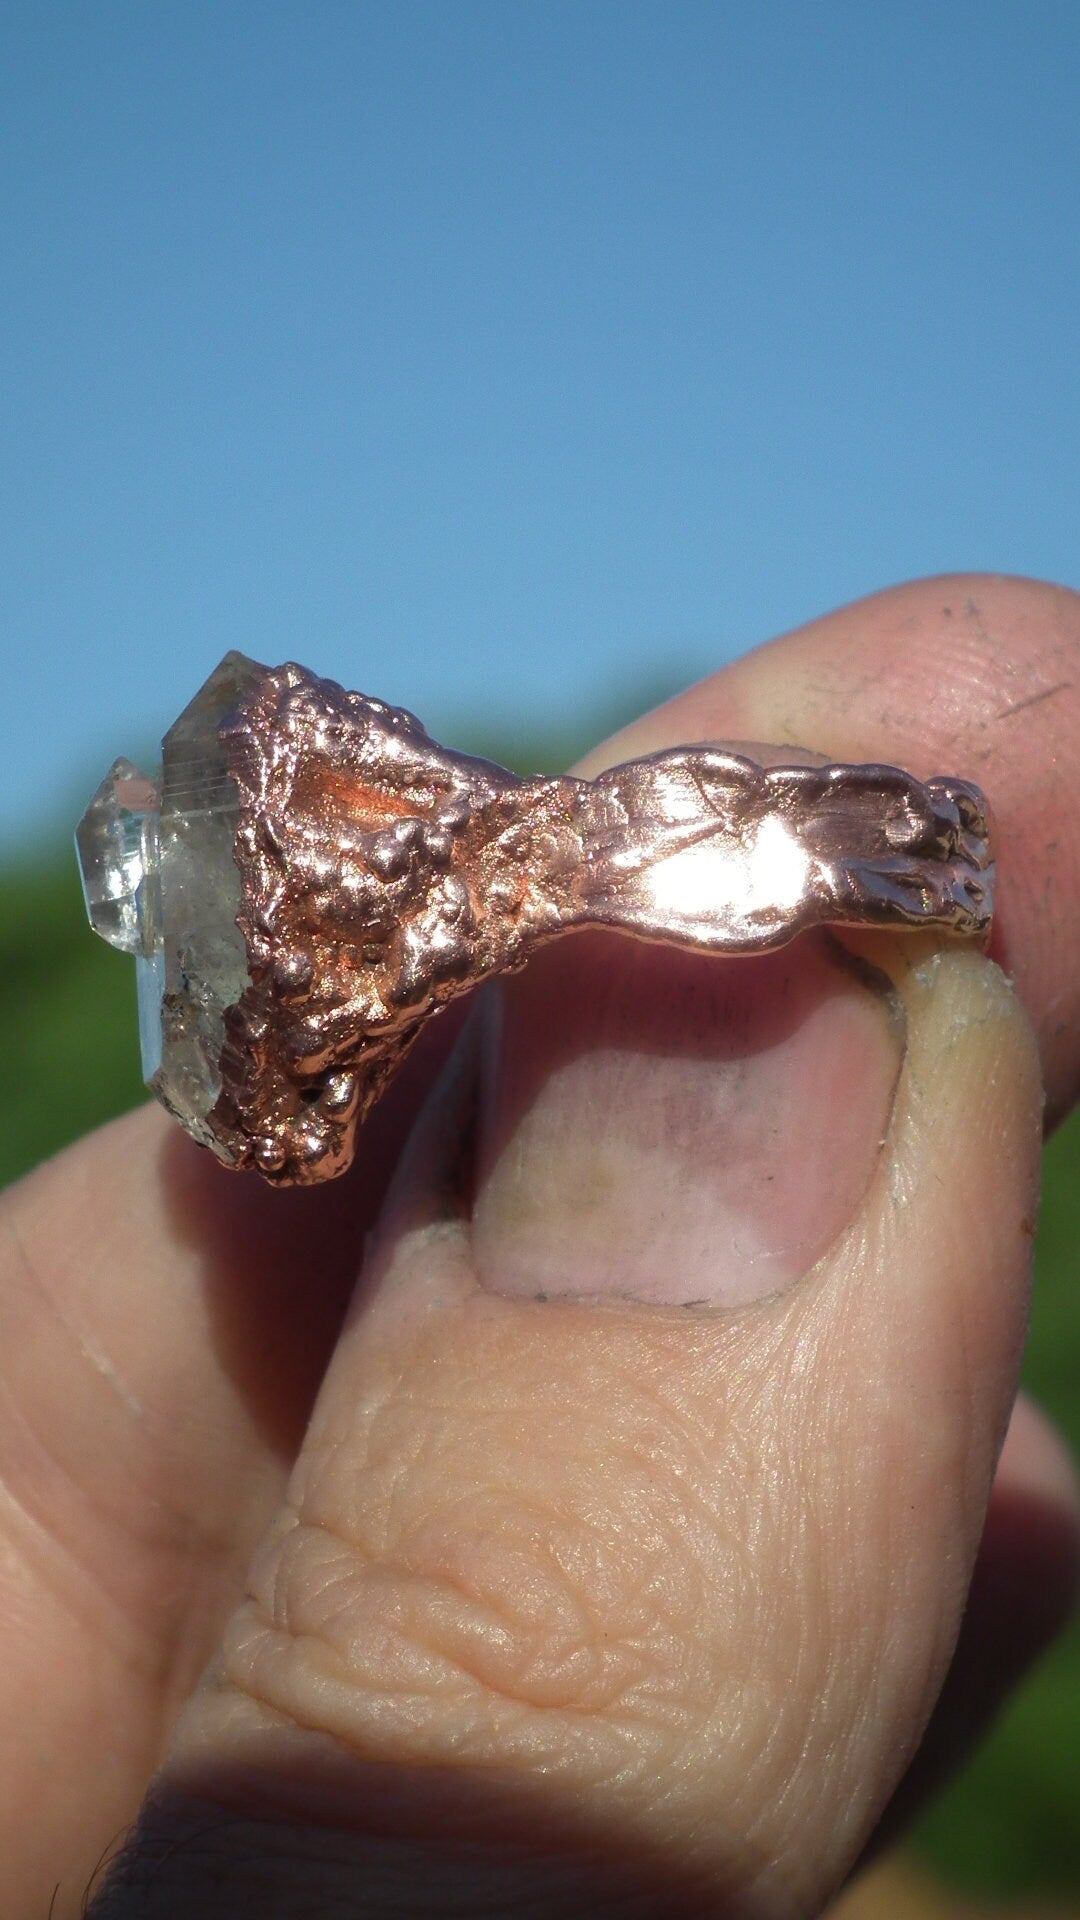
<point x="505" y="359"/>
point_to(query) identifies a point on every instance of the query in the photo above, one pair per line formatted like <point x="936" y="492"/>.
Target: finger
<point x="165" y="1328"/>
<point x="653" y="1578"/>
<point x="1023" y="1591"/>
<point x="975" y="674"/>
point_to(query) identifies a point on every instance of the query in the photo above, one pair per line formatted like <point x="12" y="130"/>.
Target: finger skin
<point x="165" y="1328"/>
<point x="140" y="1456"/>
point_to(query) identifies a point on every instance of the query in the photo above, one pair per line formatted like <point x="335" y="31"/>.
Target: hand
<point x="610" y="1553"/>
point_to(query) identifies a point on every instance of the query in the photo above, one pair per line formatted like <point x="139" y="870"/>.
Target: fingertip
<point x="1036" y="1457"/>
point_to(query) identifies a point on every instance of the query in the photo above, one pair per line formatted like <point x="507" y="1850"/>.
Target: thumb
<point x="573" y="1582"/>
<point x="626" y="1552"/>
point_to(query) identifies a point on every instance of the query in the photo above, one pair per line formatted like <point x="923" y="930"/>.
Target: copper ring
<point x="314" y="876"/>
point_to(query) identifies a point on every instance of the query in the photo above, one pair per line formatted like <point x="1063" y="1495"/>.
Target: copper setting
<point x="381" y="875"/>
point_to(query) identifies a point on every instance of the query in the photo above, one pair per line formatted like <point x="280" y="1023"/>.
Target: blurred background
<point x="517" y="361"/>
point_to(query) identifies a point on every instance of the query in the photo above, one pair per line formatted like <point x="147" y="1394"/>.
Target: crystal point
<point x="116" y="845"/>
<point x="161" y="881"/>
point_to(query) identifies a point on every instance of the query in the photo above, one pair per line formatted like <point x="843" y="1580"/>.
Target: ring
<point x="312" y="876"/>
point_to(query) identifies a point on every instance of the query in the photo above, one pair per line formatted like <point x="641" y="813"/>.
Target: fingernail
<point x="662" y="1126"/>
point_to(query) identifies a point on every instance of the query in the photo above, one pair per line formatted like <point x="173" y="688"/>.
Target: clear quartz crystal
<point x="114" y="857"/>
<point x="161" y="881"/>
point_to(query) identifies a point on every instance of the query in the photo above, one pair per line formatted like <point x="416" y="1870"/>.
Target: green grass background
<point x="1011" y="1824"/>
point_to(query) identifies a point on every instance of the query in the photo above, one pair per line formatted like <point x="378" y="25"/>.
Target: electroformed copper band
<point x="383" y="875"/>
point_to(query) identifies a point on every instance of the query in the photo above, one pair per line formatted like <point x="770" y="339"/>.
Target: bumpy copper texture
<point x="383" y="875"/>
